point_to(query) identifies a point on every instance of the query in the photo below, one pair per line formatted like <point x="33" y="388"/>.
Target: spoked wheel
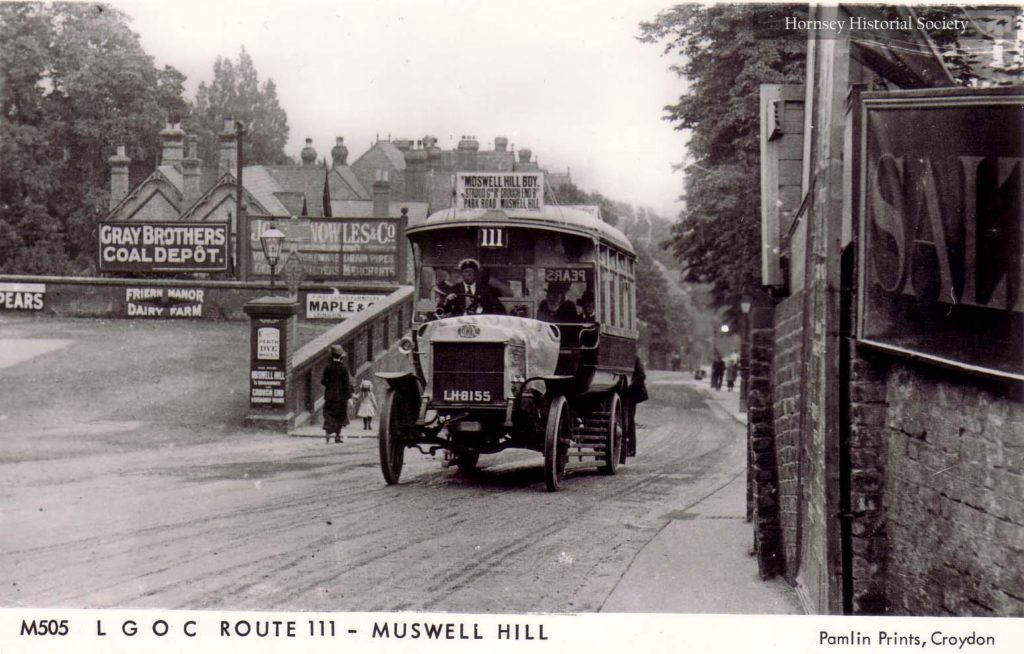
<point x="395" y="425"/>
<point x="613" y="438"/>
<point x="466" y="461"/>
<point x="556" y="443"/>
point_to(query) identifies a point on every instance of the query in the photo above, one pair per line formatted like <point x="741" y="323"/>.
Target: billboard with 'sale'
<point x="941" y="225"/>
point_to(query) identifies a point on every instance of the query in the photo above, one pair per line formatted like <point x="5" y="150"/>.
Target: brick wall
<point x="787" y="369"/>
<point x="954" y="494"/>
<point x="763" y="464"/>
<point x="105" y="297"/>
<point x="866" y="447"/>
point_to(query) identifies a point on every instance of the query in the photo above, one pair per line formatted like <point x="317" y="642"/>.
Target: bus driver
<point x="469" y="296"/>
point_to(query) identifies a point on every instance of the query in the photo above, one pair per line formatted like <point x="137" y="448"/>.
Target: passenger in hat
<point x="337" y="383"/>
<point x="587" y="307"/>
<point x="367" y="404"/>
<point x="554" y="307"/>
<point x="471" y="295"/>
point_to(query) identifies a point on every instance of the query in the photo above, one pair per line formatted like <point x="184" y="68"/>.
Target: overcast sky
<point x="565" y="78"/>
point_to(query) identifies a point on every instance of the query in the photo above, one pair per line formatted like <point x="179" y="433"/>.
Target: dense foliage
<point x="75" y="83"/>
<point x="569" y="193"/>
<point x="723" y="60"/>
<point x="236" y="92"/>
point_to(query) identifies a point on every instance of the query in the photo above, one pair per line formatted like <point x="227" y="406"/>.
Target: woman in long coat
<point x="337" y="390"/>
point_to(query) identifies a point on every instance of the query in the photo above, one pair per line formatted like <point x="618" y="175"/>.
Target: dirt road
<point x="125" y="482"/>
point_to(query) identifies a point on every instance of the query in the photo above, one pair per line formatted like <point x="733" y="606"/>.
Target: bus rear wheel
<point x="613" y="437"/>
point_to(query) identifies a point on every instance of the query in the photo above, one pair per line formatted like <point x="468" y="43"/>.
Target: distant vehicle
<point x="524" y="336"/>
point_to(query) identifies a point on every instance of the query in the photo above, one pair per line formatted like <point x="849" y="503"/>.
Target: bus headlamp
<point x="405" y="345"/>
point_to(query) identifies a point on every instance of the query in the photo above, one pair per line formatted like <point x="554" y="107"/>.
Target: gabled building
<point x="184" y="188"/>
<point x="423" y="172"/>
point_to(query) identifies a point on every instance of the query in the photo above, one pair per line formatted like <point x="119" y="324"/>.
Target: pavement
<point x="702" y="561"/>
<point x="354" y="430"/>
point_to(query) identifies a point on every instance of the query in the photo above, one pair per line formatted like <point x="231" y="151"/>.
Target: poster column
<point x="272" y="323"/>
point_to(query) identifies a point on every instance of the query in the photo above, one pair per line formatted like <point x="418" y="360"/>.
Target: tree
<point x="724" y="62"/>
<point x="235" y="92"/>
<point x="75" y="83"/>
<point x="569" y="193"/>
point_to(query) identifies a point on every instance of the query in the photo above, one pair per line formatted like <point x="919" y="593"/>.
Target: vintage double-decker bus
<point x="524" y="336"/>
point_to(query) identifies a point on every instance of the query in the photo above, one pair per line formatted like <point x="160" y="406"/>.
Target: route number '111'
<point x="492" y="237"/>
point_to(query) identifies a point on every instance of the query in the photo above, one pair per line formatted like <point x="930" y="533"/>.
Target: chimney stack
<point x="339" y="153"/>
<point x="308" y="154"/>
<point x="381" y="195"/>
<point x="118" y="176"/>
<point x="190" y="171"/>
<point x="173" y="139"/>
<point x="468" y="144"/>
<point x="228" y="161"/>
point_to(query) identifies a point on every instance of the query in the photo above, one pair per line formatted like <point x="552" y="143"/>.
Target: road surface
<point x="125" y="481"/>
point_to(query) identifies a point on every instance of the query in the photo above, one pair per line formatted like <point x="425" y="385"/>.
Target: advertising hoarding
<point x="163" y="247"/>
<point x="517" y="192"/>
<point x="337" y="306"/>
<point x="941" y="216"/>
<point x="268" y="369"/>
<point x="348" y="249"/>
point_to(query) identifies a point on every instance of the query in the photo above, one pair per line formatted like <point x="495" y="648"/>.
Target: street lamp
<point x="714" y="339"/>
<point x="272" y="241"/>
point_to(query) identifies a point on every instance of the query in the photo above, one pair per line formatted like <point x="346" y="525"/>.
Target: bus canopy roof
<point x="563" y="218"/>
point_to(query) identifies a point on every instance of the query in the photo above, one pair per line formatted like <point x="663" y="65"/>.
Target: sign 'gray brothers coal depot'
<point x="162" y="247"/>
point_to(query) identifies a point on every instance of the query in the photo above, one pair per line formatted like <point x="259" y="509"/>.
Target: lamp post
<point x="272" y="241"/>
<point x="241" y="225"/>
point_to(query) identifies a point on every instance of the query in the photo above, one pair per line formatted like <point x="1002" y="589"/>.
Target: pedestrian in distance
<point x="731" y="373"/>
<point x="367" y="409"/>
<point x="717" y="372"/>
<point x="337" y="383"/>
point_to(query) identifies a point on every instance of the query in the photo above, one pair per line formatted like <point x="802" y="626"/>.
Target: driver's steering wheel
<point x="470" y="308"/>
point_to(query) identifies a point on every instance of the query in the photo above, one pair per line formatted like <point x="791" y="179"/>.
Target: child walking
<point x="367" y="404"/>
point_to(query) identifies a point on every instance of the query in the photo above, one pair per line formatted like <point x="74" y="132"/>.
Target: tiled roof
<point x="344" y="185"/>
<point x="258" y="181"/>
<point x="254" y="205"/>
<point x="364" y="209"/>
<point x="156" y="176"/>
<point x="172" y="174"/>
<point x="308" y="180"/>
<point x="292" y="200"/>
<point x="393" y="154"/>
